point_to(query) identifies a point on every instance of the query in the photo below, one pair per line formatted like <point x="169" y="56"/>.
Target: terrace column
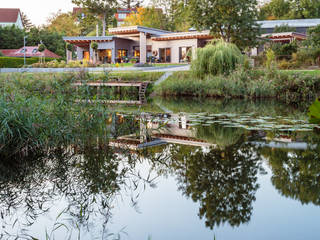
<point x="79" y="53"/>
<point x="69" y="55"/>
<point x="143" y="47"/>
<point x="91" y="52"/>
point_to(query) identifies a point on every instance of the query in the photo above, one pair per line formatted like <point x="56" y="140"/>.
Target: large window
<point x="122" y="15"/>
<point x="165" y="55"/>
<point x="122" y="53"/>
<point x="185" y="54"/>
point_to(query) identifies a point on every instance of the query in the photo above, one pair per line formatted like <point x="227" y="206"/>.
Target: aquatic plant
<point x="314" y="112"/>
<point x="219" y="57"/>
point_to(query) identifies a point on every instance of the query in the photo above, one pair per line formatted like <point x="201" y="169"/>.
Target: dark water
<point x="174" y="170"/>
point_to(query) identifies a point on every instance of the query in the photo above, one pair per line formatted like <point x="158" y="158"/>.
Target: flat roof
<point x="85" y="38"/>
<point x="184" y="35"/>
<point x="291" y="23"/>
<point x="137" y="29"/>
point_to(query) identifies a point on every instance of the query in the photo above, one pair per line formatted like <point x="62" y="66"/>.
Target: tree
<point x="130" y="3"/>
<point x="284" y="28"/>
<point x="104" y="9"/>
<point x="304" y="9"/>
<point x="52" y="40"/>
<point x="64" y="23"/>
<point x="11" y="37"/>
<point x="314" y="36"/>
<point x="177" y="13"/>
<point x="275" y="9"/>
<point x="26" y="21"/>
<point x="148" y="17"/>
<point x="232" y="20"/>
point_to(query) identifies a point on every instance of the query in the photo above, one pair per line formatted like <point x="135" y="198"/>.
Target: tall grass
<point x="285" y="86"/>
<point x="216" y="58"/>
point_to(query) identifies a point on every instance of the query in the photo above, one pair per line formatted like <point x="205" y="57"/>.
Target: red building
<point x="28" y="52"/>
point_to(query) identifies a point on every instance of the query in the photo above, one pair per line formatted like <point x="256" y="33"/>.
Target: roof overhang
<point x="285" y="36"/>
<point x="136" y="30"/>
<point x="184" y="35"/>
<point x="83" y="41"/>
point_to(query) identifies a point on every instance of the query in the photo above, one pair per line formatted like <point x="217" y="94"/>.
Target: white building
<point x="10" y="16"/>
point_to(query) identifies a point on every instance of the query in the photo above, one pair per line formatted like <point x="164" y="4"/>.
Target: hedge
<point x="14" y="62"/>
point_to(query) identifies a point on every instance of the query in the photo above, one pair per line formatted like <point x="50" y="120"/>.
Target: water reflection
<point x="214" y="163"/>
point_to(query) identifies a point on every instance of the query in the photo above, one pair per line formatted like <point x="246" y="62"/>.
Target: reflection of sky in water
<point x="166" y="214"/>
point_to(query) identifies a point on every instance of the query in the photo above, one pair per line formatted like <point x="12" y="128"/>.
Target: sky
<point x="38" y="11"/>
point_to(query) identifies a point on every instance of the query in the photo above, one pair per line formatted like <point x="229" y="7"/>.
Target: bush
<point x="217" y="58"/>
<point x="12" y="62"/>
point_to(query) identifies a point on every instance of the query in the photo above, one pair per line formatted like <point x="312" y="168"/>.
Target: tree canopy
<point x="64" y="23"/>
<point x="232" y="20"/>
<point x="103" y="9"/>
<point x="290" y="9"/>
<point x="148" y="17"/>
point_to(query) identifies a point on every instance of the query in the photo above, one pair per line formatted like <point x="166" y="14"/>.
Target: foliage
<point x="41" y="48"/>
<point x="284" y="28"/>
<point x="69" y="47"/>
<point x="130" y="3"/>
<point x="11" y="37"/>
<point x="148" y="17"/>
<point x="104" y="9"/>
<point x="64" y="24"/>
<point x="12" y="62"/>
<point x="313" y="39"/>
<point x="286" y="49"/>
<point x="290" y="87"/>
<point x="271" y="59"/>
<point x="314" y="112"/>
<point x="26" y="21"/>
<point x="224" y="21"/>
<point x="52" y="40"/>
<point x="94" y="46"/>
<point x="220" y="57"/>
<point x="290" y="9"/>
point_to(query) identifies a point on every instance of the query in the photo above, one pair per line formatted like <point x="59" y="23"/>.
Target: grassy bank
<point x="286" y="86"/>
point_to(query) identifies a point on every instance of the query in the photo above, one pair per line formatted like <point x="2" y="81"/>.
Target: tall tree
<point x="148" y="17"/>
<point x="11" y="37"/>
<point x="64" y="23"/>
<point x="130" y="3"/>
<point x="27" y="24"/>
<point x="104" y="9"/>
<point x="232" y="20"/>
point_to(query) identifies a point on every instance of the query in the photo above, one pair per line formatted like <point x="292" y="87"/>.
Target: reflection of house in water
<point x="177" y="129"/>
<point x="159" y="130"/>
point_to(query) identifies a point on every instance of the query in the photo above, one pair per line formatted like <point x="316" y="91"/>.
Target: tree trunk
<point x="104" y="25"/>
<point x="97" y="30"/>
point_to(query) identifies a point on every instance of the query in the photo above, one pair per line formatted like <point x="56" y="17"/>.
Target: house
<point x="300" y="25"/>
<point x="28" y="52"/>
<point x="141" y="43"/>
<point x="11" y="16"/>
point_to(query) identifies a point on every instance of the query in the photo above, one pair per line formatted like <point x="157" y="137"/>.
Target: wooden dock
<point x="141" y="85"/>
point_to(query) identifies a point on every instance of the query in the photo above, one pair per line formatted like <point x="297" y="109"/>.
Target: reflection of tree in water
<point x="296" y="173"/>
<point x="223" y="181"/>
<point x="88" y="179"/>
<point x="222" y="136"/>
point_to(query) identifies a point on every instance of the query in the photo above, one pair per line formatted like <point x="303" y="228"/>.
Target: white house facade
<point x="11" y="16"/>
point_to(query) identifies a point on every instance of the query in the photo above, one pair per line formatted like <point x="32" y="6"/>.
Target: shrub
<point x="94" y="46"/>
<point x="271" y="59"/>
<point x="41" y="47"/>
<point x="12" y="62"/>
<point x="217" y="58"/>
<point x="69" y="47"/>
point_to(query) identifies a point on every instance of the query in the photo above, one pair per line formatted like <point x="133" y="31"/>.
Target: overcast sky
<point x="38" y="10"/>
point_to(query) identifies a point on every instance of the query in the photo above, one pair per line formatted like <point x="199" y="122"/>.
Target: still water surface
<point x="175" y="170"/>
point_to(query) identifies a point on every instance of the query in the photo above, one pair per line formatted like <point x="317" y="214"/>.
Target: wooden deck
<point x="141" y="85"/>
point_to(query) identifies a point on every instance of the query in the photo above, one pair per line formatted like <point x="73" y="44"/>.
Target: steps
<point x="142" y="92"/>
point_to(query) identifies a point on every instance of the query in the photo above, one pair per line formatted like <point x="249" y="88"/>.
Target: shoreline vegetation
<point x="287" y="86"/>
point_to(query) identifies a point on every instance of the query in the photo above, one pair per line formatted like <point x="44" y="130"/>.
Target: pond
<point x="174" y="169"/>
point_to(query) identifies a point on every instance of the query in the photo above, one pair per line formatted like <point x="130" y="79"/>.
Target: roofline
<point x="19" y="13"/>
<point x="137" y="29"/>
<point x="85" y="38"/>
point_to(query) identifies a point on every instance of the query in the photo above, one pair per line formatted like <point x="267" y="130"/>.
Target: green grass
<point x="309" y="72"/>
